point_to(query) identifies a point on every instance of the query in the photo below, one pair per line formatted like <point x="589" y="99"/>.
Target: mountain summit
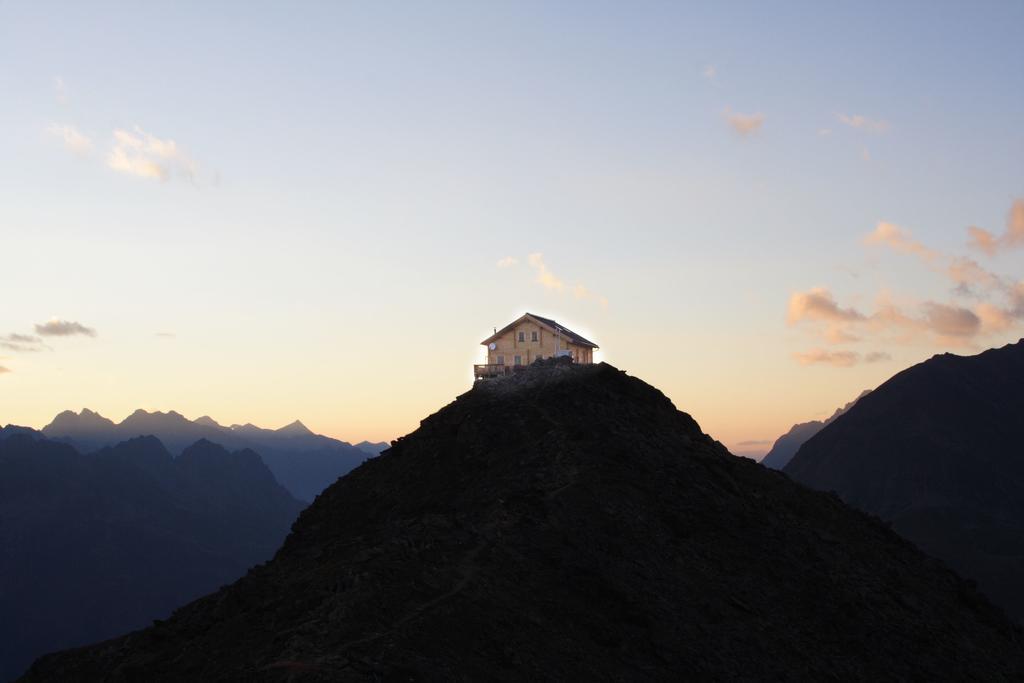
<point x="295" y="428"/>
<point x="303" y="462"/>
<point x="937" y="450"/>
<point x="568" y="523"/>
<point x="786" y="446"/>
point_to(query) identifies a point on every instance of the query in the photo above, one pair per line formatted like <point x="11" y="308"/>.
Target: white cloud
<point x="744" y="124"/>
<point x="74" y="140"/>
<point x="141" y="154"/>
<point x="507" y="262"/>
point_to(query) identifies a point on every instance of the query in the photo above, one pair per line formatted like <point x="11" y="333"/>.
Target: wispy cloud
<point x="1013" y="236"/>
<point x="544" y="276"/>
<point x="166" y="335"/>
<point x="945" y="323"/>
<point x="60" y="90"/>
<point x="965" y="273"/>
<point x="144" y="155"/>
<point x="63" y="328"/>
<point x="21" y="343"/>
<point x="507" y="262"/>
<point x="549" y="280"/>
<point x="839" y="359"/>
<point x="710" y="72"/>
<point x="744" y="124"/>
<point x="756" y="442"/>
<point x="863" y="123"/>
<point x="950" y="321"/>
<point x="74" y="140"/>
<point x="3" y="370"/>
<point x="900" y="240"/>
<point x="819" y="304"/>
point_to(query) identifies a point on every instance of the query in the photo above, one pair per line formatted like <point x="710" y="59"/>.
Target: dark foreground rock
<point x="571" y="524"/>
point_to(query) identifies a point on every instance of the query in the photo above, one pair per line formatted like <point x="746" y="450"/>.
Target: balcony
<point x="493" y="370"/>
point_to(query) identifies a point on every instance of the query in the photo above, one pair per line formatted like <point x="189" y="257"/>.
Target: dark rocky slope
<point x="938" y="450"/>
<point x="571" y="524"/>
<point x="93" y="546"/>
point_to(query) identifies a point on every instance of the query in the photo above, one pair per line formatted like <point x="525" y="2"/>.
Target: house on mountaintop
<point x="528" y="339"/>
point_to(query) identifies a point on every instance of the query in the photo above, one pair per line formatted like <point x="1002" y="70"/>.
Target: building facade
<point x="529" y="338"/>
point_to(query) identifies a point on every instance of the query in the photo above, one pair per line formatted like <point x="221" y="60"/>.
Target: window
<point x="519" y="360"/>
<point x="501" y="360"/>
<point x="522" y="336"/>
<point x="534" y="336"/>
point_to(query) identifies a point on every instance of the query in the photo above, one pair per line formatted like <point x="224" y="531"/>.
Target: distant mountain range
<point x="788" y="444"/>
<point x="303" y="462"/>
<point x="938" y="450"/>
<point x="96" y="545"/>
<point x="569" y="524"/>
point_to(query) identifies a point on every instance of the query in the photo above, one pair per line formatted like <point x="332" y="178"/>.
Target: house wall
<point x="509" y="346"/>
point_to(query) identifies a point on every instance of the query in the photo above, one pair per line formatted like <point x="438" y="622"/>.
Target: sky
<point x="269" y="211"/>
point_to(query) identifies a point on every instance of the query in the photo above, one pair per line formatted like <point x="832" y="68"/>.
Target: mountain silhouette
<point x="568" y="523"/>
<point x="94" y="545"/>
<point x="303" y="462"/>
<point x="87" y="430"/>
<point x="373" y="448"/>
<point x="786" y="446"/>
<point x="937" y="450"/>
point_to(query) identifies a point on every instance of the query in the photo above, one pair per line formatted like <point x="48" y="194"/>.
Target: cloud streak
<point x="63" y="328"/>
<point x="507" y="262"/>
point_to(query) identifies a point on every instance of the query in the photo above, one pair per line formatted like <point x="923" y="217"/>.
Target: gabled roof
<point x="553" y="326"/>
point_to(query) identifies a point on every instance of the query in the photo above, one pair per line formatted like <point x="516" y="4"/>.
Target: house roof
<point x="570" y="336"/>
